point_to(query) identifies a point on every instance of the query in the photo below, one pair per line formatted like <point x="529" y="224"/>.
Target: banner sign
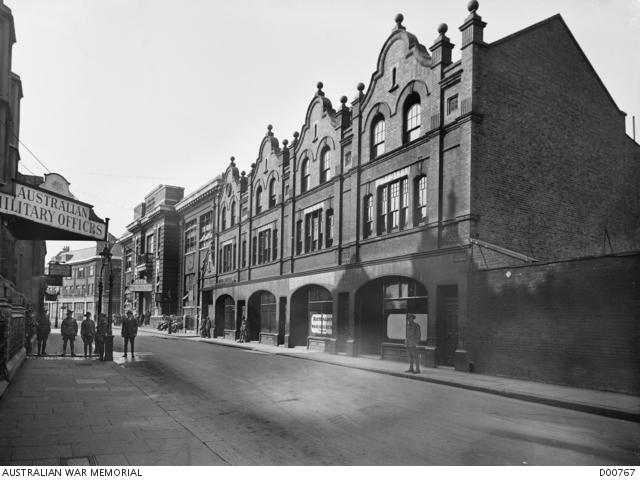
<point x="60" y="269"/>
<point x="46" y="208"/>
<point x="140" y="287"/>
<point x="53" y="280"/>
<point x="322" y="324"/>
<point x="51" y="297"/>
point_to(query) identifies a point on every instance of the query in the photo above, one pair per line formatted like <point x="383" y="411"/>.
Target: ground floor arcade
<point x="352" y="311"/>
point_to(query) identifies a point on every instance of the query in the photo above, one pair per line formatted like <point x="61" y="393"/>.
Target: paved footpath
<point x="55" y="403"/>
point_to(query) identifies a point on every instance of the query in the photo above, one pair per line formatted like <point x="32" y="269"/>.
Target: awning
<point x="50" y="212"/>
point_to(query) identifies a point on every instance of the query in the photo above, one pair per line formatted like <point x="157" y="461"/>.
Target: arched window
<point x="272" y="193"/>
<point x="304" y="176"/>
<point x="258" y="200"/>
<point x="223" y="219"/>
<point x="377" y="136"/>
<point x="412" y="114"/>
<point x="233" y="213"/>
<point x="325" y="165"/>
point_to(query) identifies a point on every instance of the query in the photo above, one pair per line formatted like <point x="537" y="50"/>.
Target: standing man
<point x="412" y="339"/>
<point x="129" y="331"/>
<point x="69" y="330"/>
<point x="44" y="328"/>
<point x="88" y="332"/>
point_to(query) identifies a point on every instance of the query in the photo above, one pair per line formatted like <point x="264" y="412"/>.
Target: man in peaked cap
<point x="412" y="339"/>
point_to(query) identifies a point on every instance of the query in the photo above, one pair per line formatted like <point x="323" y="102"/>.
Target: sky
<point x="123" y="95"/>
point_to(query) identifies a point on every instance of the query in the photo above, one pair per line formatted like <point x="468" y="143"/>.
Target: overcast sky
<point x="123" y="95"/>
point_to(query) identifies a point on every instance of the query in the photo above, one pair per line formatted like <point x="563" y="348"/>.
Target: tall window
<point x="392" y="206"/>
<point x="377" y="137"/>
<point x="264" y="246"/>
<point x="190" y="235"/>
<point x="258" y="200"/>
<point x="367" y="216"/>
<point x="274" y="244"/>
<point x="304" y="176"/>
<point x="244" y="253"/>
<point x="413" y="111"/>
<point x="223" y="220"/>
<point x="254" y="250"/>
<point x="325" y="166"/>
<point x="205" y="229"/>
<point x="299" y="237"/>
<point x="347" y="161"/>
<point x="329" y="224"/>
<point x="313" y="231"/>
<point x="233" y="214"/>
<point x="150" y="243"/>
<point x="227" y="257"/>
<point x="421" y="200"/>
<point x="272" y="193"/>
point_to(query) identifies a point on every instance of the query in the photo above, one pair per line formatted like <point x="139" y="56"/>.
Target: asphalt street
<point x="182" y="402"/>
<point x="254" y="408"/>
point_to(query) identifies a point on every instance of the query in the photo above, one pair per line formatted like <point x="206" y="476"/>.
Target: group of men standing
<point x="89" y="332"/>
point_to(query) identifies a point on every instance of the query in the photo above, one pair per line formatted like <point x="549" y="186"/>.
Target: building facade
<point x="440" y="168"/>
<point x="21" y="260"/>
<point x="197" y="237"/>
<point x="32" y="209"/>
<point x="150" y="255"/>
<point x="79" y="293"/>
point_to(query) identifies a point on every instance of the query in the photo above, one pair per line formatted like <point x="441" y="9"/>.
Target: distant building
<point x="79" y="292"/>
<point x="151" y="258"/>
<point x="197" y="239"/>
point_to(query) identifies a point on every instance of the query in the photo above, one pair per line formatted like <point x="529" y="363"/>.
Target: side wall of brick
<point x="573" y="323"/>
<point x="553" y="166"/>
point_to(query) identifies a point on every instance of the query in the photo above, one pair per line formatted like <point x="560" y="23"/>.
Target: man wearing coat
<point x="412" y="339"/>
<point x="129" y="331"/>
<point x="44" y="328"/>
<point x="88" y="332"/>
<point x="69" y="330"/>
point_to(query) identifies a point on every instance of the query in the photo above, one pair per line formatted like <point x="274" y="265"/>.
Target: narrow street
<point x="256" y="408"/>
<point x="214" y="404"/>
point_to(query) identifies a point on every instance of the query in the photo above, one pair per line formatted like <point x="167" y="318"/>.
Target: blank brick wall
<point x="574" y="322"/>
<point x="553" y="166"/>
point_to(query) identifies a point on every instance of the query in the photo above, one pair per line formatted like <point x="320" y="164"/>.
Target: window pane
<point x="413" y="121"/>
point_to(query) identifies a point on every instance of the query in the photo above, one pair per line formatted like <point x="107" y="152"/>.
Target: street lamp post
<point x="108" y="339"/>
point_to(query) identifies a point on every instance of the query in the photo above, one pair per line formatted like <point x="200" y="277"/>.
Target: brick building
<point x="196" y="235"/>
<point x="80" y="292"/>
<point x="515" y="153"/>
<point x="32" y="209"/>
<point x="150" y="253"/>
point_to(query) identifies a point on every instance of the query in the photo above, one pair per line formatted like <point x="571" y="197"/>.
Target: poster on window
<point x="397" y="326"/>
<point x="322" y="324"/>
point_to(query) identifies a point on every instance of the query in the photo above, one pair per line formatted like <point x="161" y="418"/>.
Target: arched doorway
<point x="261" y="314"/>
<point x="225" y="315"/>
<point x="311" y="314"/>
<point x="382" y="305"/>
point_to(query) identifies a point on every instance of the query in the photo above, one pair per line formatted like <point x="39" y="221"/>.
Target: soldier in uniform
<point x="44" y="328"/>
<point x="88" y="332"/>
<point x="412" y="339"/>
<point x="129" y="331"/>
<point x="69" y="330"/>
